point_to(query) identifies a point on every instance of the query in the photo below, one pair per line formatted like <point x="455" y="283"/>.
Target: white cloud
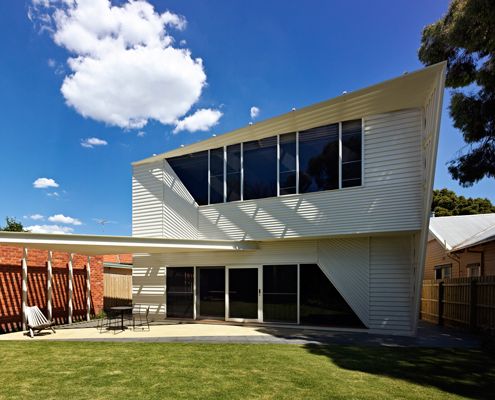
<point x="124" y="69"/>
<point x="35" y="217"/>
<point x="53" y="194"/>
<point x="62" y="219"/>
<point x="201" y="120"/>
<point x="43" y="183"/>
<point x="141" y="134"/>
<point x="183" y="43"/>
<point x="50" y="229"/>
<point x="51" y="63"/>
<point x="254" y="112"/>
<point x="92" y="142"/>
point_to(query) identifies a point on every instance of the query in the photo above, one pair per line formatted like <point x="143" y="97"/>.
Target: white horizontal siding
<point x="148" y="287"/>
<point x="392" y="186"/>
<point x="391" y="282"/>
<point x="346" y="264"/>
<point x="147" y="200"/>
<point x="161" y="205"/>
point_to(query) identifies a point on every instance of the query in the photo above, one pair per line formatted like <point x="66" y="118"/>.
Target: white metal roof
<point x="98" y="245"/>
<point x="404" y="92"/>
<point x="462" y="231"/>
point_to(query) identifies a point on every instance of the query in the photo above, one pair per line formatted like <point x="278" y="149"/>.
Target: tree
<point x="446" y="202"/>
<point x="12" y="226"/>
<point x="465" y="37"/>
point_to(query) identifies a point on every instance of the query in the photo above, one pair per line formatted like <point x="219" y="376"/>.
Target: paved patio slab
<point x="189" y="332"/>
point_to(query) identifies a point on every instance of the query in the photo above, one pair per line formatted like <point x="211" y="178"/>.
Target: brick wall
<point x="11" y="285"/>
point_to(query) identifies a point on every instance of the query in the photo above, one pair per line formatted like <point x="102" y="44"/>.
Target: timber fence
<point x="460" y="302"/>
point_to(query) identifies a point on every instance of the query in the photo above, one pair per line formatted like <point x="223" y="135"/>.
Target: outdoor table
<point x="122" y="310"/>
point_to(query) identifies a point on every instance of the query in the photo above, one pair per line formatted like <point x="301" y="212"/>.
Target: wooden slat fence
<point x="460" y="302"/>
<point x="117" y="287"/>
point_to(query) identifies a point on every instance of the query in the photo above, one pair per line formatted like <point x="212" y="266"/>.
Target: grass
<point x="86" y="370"/>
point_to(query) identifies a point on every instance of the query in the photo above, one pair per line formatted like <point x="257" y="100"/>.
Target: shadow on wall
<point x="469" y="373"/>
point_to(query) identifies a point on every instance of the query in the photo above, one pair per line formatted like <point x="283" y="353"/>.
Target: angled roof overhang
<point x="99" y="245"/>
<point x="404" y="92"/>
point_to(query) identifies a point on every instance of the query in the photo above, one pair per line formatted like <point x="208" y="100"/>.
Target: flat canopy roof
<point x="99" y="245"/>
<point x="408" y="91"/>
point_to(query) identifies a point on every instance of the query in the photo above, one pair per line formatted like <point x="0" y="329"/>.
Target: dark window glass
<point x="260" y="168"/>
<point x="180" y="284"/>
<point x="212" y="292"/>
<point x="280" y="293"/>
<point x="192" y="170"/>
<point x="243" y="293"/>
<point x="216" y="176"/>
<point x="287" y="163"/>
<point x="321" y="303"/>
<point x="234" y="172"/>
<point x="351" y="153"/>
<point x="319" y="159"/>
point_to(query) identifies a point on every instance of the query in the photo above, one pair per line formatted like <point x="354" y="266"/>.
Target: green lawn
<point x="84" y="370"/>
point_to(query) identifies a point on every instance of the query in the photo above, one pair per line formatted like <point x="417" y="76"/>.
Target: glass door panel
<point x="280" y="293"/>
<point x="212" y="292"/>
<point x="180" y="292"/>
<point x="243" y="293"/>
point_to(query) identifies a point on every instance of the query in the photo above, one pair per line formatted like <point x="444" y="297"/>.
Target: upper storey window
<point x="192" y="170"/>
<point x="319" y="159"/>
<point x="260" y="168"/>
<point x="322" y="158"/>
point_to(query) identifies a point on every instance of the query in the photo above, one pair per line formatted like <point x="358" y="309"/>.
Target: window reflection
<point x="260" y="168"/>
<point x="192" y="170"/>
<point x="319" y="159"/>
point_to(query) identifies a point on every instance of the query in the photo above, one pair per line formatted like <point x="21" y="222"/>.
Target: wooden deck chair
<point x="36" y="321"/>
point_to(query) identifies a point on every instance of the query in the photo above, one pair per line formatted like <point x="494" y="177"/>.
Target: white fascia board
<point x="89" y="244"/>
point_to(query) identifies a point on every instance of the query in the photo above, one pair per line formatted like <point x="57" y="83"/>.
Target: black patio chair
<point x="140" y="317"/>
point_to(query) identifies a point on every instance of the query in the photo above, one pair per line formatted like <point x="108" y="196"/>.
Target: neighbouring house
<point x="461" y="246"/>
<point x="55" y="301"/>
<point x="317" y="217"/>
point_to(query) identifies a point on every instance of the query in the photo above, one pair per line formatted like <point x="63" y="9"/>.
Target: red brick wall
<point x="11" y="286"/>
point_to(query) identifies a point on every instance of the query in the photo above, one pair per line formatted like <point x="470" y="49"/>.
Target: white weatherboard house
<point x="318" y="217"/>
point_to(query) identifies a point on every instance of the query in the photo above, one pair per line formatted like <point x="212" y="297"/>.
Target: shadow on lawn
<point x="469" y="373"/>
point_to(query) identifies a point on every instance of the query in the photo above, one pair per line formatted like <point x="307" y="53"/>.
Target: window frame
<point x="297" y="170"/>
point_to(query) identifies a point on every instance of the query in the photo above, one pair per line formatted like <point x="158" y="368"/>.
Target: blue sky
<point x="273" y="55"/>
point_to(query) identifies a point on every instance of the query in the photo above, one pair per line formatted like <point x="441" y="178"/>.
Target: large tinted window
<point x="319" y="159"/>
<point x="234" y="172"/>
<point x="351" y="153"/>
<point x="320" y="302"/>
<point x="192" y="170"/>
<point x="287" y="166"/>
<point x="260" y="168"/>
<point x="216" y="175"/>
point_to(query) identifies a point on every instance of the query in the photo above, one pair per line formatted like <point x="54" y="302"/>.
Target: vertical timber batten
<point x="49" y="289"/>
<point x="71" y="279"/>
<point x="88" y="289"/>
<point x="24" y="287"/>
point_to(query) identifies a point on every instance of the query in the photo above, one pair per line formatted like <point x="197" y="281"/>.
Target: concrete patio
<point x="218" y="332"/>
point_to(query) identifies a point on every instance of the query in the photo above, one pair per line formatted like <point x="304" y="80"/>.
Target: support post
<point x="49" y="277"/>
<point x="88" y="289"/>
<point x="24" y="287"/>
<point x="71" y="279"/>
<point x="440" y="302"/>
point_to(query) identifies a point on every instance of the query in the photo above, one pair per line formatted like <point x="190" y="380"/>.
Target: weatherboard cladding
<point x="392" y="185"/>
<point x="373" y="274"/>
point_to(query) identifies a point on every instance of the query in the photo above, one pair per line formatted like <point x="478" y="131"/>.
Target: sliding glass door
<point x="243" y="294"/>
<point x="180" y="292"/>
<point x="211" y="292"/>
<point x="280" y="293"/>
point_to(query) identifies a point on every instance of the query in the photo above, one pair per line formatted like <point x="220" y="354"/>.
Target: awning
<point x="98" y="244"/>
